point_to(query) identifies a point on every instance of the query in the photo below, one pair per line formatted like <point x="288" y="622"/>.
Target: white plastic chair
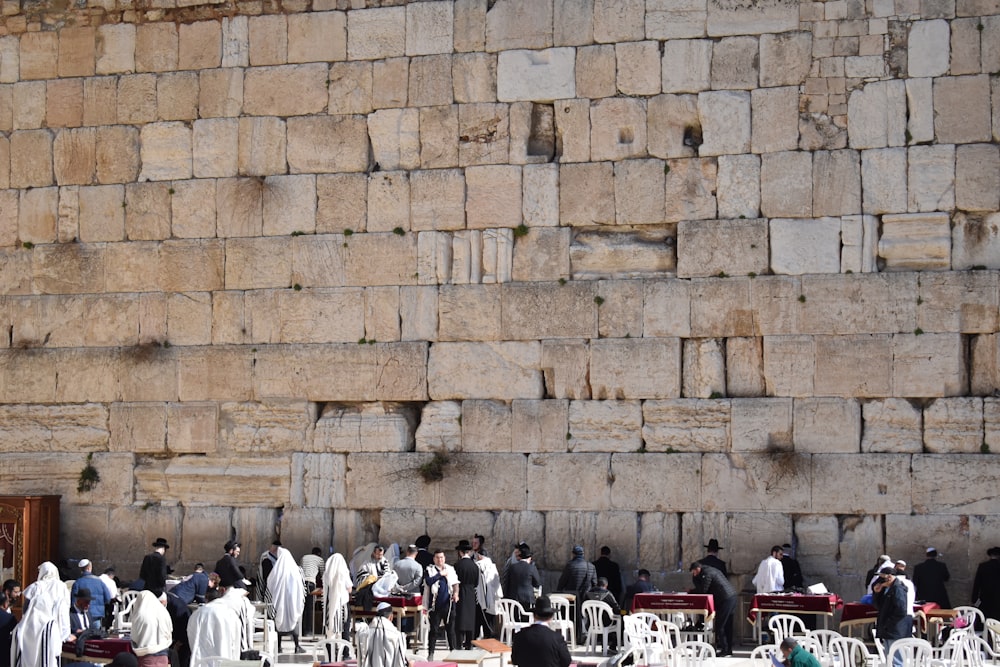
<point x="851" y="652"/>
<point x="693" y="654"/>
<point x="814" y="647"/>
<point x="333" y="650"/>
<point x="991" y="632"/>
<point x="823" y="638"/>
<point x="650" y="646"/>
<point x="123" y="614"/>
<point x="514" y="618"/>
<point x="915" y="652"/>
<point x="786" y="625"/>
<point x="760" y="656"/>
<point x="594" y="614"/>
<point x="977" y="652"/>
<point x="972" y="616"/>
<point x="562" y="622"/>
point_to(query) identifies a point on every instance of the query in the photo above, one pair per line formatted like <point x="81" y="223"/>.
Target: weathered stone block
<point x="540" y="195"/>
<point x="429" y="28"/>
<point x="701" y="251"/>
<point x="975" y="241"/>
<point x="735" y="63"/>
<point x="534" y="310"/>
<point x="542" y="255"/>
<point x="685" y="425"/>
<point x="566" y="365"/>
<point x="805" y="246"/>
<point x="483" y="134"/>
<point x="962" y="109"/>
<point x="102" y="217"/>
<point x="486" y="426"/>
<point x="214" y="145"/>
<point x="199" y="45"/>
<point x="319" y="480"/>
<point x="639" y="191"/>
<point x="773" y="17"/>
<point x="786" y="184"/>
<point x="573" y="122"/>
<point x="376" y="33"/>
<point x="198" y="480"/>
<point x="115" y="44"/>
<point x="39" y="56"/>
<point x="615" y="364"/>
<point x="876" y="483"/>
<point x="915" y="241"/>
<point x="220" y="92"/>
<point x="37" y="214"/>
<point x="439" y="139"/>
<point x="927" y="48"/>
<point x="256" y="263"/>
<point x="262" y="146"/>
<point x="617" y="128"/>
<point x="668" y="19"/>
<point x="752" y="479"/>
<point x="76" y="51"/>
<point x="165" y="151"/>
<point x="193" y="209"/>
<point x="136" y="98"/>
<point x="60" y="475"/>
<point x="891" y="425"/>
<point x="928" y="365"/>
<point x="59" y="428"/>
<point x="954" y="425"/>
<point x="317" y="37"/>
<point x="738" y="186"/>
<point x="725" y="121"/>
<point x="474" y="77"/>
<point x="596" y="73"/>
<point x="493" y="196"/>
<point x="690" y="189"/>
<point x="350" y="88"/>
<point x="977" y="175"/>
<point x="369" y="427"/>
<point x="638" y="68"/>
<point x="430" y="81"/>
<point x="390" y="82"/>
<point x="590" y="470"/>
<point x="744" y="366"/>
<point x="156" y="47"/>
<point x="177" y="96"/>
<point x="536" y="75"/>
<point x="945" y="484"/>
<point x="74" y="156"/>
<point x="469" y="312"/>
<point x="31" y="159"/>
<point x="671" y="121"/>
<point x="324" y="144"/>
<point x="785" y="58"/>
<point x="775" y="113"/>
<point x="516" y="25"/>
<point x="883" y="178"/>
<point x="137" y="427"/>
<point x="239" y="206"/>
<point x="931" y="178"/>
<point x="704" y="368"/>
<point x="827" y="425"/>
<point x="762" y="424"/>
<point x="289" y="204"/>
<point x="192" y="428"/>
<point x="539" y="425"/>
<point x="388" y="201"/>
<point x="484" y="370"/>
<point x="876" y="115"/>
<point x="920" y="107"/>
<point x="268" y="40"/>
<point x="686" y="66"/>
<point x="575" y="180"/>
<point x="290" y="90"/>
<point x="623" y="253"/>
<point x="394" y="137"/>
<point x="27" y="105"/>
<point x="605" y="426"/>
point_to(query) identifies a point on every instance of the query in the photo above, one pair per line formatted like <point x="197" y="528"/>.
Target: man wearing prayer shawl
<point x="238" y="600"/>
<point x="381" y="644"/>
<point x="214" y="631"/>
<point x="38" y="638"/>
<point x="337" y="588"/>
<point x="152" y="630"/>
<point x="288" y="595"/>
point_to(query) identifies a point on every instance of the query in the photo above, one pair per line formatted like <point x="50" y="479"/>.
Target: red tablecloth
<point x="402" y="600"/>
<point x="794" y="604"/>
<point x="858" y="612"/>
<point x="683" y="602"/>
<point x="103" y="649"/>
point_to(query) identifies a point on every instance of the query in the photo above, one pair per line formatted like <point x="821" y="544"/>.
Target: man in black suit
<point x="154" y="570"/>
<point x="521" y="579"/>
<point x="712" y="559"/>
<point x="710" y="581"/>
<point x="538" y="645"/>
<point x="79" y="615"/>
<point x="986" y="585"/>
<point x="7" y="623"/>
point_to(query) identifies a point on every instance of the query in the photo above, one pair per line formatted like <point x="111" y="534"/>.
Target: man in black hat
<point x="521" y="579"/>
<point x="154" y="570"/>
<point x="791" y="570"/>
<point x="929" y="577"/>
<point x="712" y="559"/>
<point x="424" y="557"/>
<point x="710" y="581"/>
<point x="611" y="571"/>
<point x="538" y="645"/>
<point x="465" y="608"/>
<point x="228" y="568"/>
<point x="79" y="617"/>
<point x="986" y="585"/>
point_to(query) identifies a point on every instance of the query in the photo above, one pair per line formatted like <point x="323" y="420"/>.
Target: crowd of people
<point x="178" y="622"/>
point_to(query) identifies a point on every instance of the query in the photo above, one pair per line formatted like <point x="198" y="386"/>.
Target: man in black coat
<point x="929" y="577"/>
<point x="710" y="581"/>
<point x="154" y="570"/>
<point x="538" y="645"/>
<point x="228" y="568"/>
<point x="577" y="578"/>
<point x="521" y="579"/>
<point x="895" y="616"/>
<point x="986" y="585"/>
<point x="610" y="570"/>
<point x="465" y="608"/>
<point x="712" y="559"/>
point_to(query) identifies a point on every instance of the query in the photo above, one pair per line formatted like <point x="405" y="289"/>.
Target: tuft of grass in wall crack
<point x="433" y="470"/>
<point x="520" y="230"/>
<point x="598" y="300"/>
<point x="89" y="477"/>
<point x="802" y="298"/>
<point x="398" y="231"/>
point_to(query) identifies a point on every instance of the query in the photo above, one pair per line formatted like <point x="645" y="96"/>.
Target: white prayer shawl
<point x="381" y="644"/>
<point x="214" y="631"/>
<point x="237" y="600"/>
<point x="337" y="588"/>
<point x="152" y="629"/>
<point x="110" y="583"/>
<point x="430" y="592"/>
<point x="770" y="576"/>
<point x="488" y="591"/>
<point x="360" y="556"/>
<point x="287" y="589"/>
<point x="38" y="638"/>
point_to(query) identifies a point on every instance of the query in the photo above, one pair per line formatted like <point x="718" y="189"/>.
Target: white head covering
<point x="236" y="599"/>
<point x="38" y="638"/>
<point x="337" y="586"/>
<point x="152" y="629"/>
<point x="287" y="589"/>
<point x="214" y="631"/>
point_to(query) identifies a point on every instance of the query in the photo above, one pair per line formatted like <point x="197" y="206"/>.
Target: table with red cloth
<point x="99" y="651"/>
<point x="403" y="606"/>
<point x="684" y="603"/>
<point x="859" y="613"/>
<point x="794" y="603"/>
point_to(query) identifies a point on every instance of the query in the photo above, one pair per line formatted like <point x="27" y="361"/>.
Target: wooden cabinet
<point x="29" y="536"/>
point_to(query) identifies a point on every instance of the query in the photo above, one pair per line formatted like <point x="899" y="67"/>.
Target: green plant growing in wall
<point x="520" y="230"/>
<point x="433" y="470"/>
<point x="89" y="477"/>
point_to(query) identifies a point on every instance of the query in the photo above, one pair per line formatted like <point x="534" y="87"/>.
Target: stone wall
<point x="624" y="272"/>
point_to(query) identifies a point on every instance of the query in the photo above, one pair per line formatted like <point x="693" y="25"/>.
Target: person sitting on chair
<point x="381" y="644"/>
<point x="538" y="645"/>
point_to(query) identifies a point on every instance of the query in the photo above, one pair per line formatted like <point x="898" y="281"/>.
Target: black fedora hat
<point x="543" y="606"/>
<point x="464" y="545"/>
<point x="713" y="545"/>
<point x="160" y="542"/>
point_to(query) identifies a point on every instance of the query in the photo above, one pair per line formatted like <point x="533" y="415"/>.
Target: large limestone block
<point x="596" y="71"/>
<point x="199" y="45"/>
<point x="439" y="140"/>
<point x="394" y="137"/>
<point x="262" y="146"/>
<point x="437" y="199"/>
<point x="734" y="18"/>
<point x="587" y="194"/>
<point x="289" y="204"/>
<point x="883" y="181"/>
<point x="328" y="144"/>
<point x="484" y="370"/>
<point x="671" y="120"/>
<point x="722" y="308"/>
<point x="177" y="96"/>
<point x="660" y="542"/>
<point x="544" y="75"/>
<point x="149" y="372"/>
<point x="289" y="90"/>
<point x="56" y="428"/>
<point x="198" y="480"/>
<point x="147" y="211"/>
<point x="540" y="195"/>
<point x="320" y="316"/>
<point x="775" y="119"/>
<point x="686" y="66"/>
<point x="635" y="368"/>
<point x="371" y="473"/>
<point x="350" y="88"/>
<point x="493" y="196"/>
<point x="214" y="146"/>
<point x="74" y="155"/>
<point x="67" y="269"/>
<point x="573" y="125"/>
<point x="381" y="313"/>
<point x="666" y="308"/>
<point x="31" y="159"/>
<point x="136" y="98"/>
<point x="192" y="428"/>
<point x="220" y="92"/>
<point x="771" y="481"/>
<point x="856" y="365"/>
<point x="541" y="310"/>
<point x="827" y="425"/>
<point x="804" y="246"/>
<point x="639" y="191"/>
<point x="517" y="25"/>
<point x="156" y="47"/>
<point x="381" y="259"/>
<point x="37" y="214"/>
<point x="789" y="365"/>
<point x="193" y="209"/>
<point x="786" y="184"/>
<point x="927" y="48"/>
<point x="738" y="186"/>
<point x="368" y="427"/>
<point x="319" y="480"/>
<point x="469" y="312"/>
<point x="725" y="122"/>
<point x="618" y="20"/>
<point x="376" y="33"/>
<point x="744" y="366"/>
<point x="430" y="81"/>
<point x="638" y="68"/>
<point x="239" y="206"/>
<point x="963" y="302"/>
<point x="710" y="247"/>
<point x="962" y="109"/>
<point x="928" y="365"/>
<point x="620" y="316"/>
<point x="686" y="425"/>
<point x="390" y="81"/>
<point x="975" y="241"/>
<point x="690" y="186"/>
<point x="762" y="424"/>
<point x="470" y="25"/>
<point x="876" y="115"/>
<point x="317" y="37"/>
<point x="137" y="427"/>
<point x="991" y="423"/>
<point x="549" y="486"/>
<point x="916" y="241"/>
<point x="679" y="472"/>
<point x="604" y="426"/>
<point x="500" y="476"/>
<point x="474" y="77"/>
<point x="27" y="473"/>
<point x="954" y="425"/>
<point x="836" y="183"/>
<point x="429" y="28"/>
<point x="668" y="19"/>
<point x="117" y="154"/>
<point x="255" y="263"/>
<point x="931" y="178"/>
<point x="977" y="175"/>
<point x="704" y="368"/>
<point x="617" y="128"/>
<point x="847" y="304"/>
<point x="318" y="260"/>
<point x="9" y="59"/>
<point x="165" y="151"/>
<point x="213" y="373"/>
<point x="388" y="201"/>
<point x="115" y="48"/>
<point x="565" y="365"/>
<point x="39" y="56"/>
<point x="785" y="58"/>
<point x="486" y="426"/>
<point x="891" y="425"/>
<point x="539" y="425"/>
<point x="102" y="217"/>
<point x="622" y="253"/>
<point x="63" y="103"/>
<point x="735" y="63"/>
<point x="945" y="484"/>
<point x="920" y="107"/>
<point x="26" y="109"/>
<point x="542" y="255"/>
<point x="484" y="134"/>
